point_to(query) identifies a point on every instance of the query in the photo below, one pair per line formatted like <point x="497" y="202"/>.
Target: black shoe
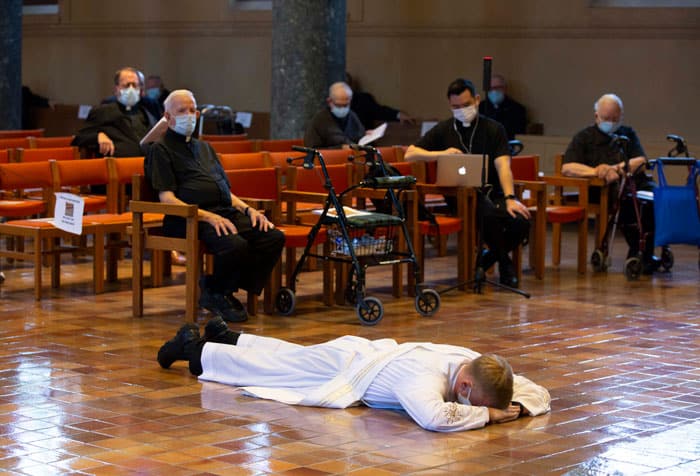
<point x="193" y="354"/>
<point x="488" y="259"/>
<point x="174" y="349"/>
<point x="651" y="265"/>
<point x="506" y="273"/>
<point x="217" y="331"/>
<point x="227" y="307"/>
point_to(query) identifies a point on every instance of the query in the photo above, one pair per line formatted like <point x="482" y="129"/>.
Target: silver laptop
<point x="460" y="169"/>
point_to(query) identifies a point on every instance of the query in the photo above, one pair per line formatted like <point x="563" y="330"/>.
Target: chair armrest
<point x="185" y="211"/>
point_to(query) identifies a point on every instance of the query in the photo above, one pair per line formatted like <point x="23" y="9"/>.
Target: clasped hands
<point x="224" y="226"/>
<point x="609" y="173"/>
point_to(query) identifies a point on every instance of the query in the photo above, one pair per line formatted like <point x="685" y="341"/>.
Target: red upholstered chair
<point x="263" y="188"/>
<point x="278" y="145"/>
<point x="62" y="141"/>
<point x="233" y="147"/>
<point x="6" y="155"/>
<point x="76" y="175"/>
<point x="9" y="134"/>
<point x="15" y="142"/>
<point x="336" y="156"/>
<point x="250" y="160"/>
<point x="47" y="153"/>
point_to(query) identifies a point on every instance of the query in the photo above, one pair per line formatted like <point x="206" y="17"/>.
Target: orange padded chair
<point x="336" y="156"/>
<point x="263" y="188"/>
<point x="11" y="134"/>
<point x="15" y="143"/>
<point x="233" y="147"/>
<point x="76" y="175"/>
<point x="61" y="141"/>
<point x="251" y="160"/>
<point x="47" y="153"/>
<point x="278" y="145"/>
<point x="6" y="155"/>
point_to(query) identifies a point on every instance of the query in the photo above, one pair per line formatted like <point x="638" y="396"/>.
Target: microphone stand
<point x="479" y="272"/>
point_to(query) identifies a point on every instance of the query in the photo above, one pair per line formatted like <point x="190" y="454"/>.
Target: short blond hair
<point x="495" y="378"/>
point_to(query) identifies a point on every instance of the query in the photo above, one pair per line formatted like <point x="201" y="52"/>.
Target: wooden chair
<point x="262" y="188"/>
<point x="150" y="237"/>
<point x="233" y="147"/>
<point x="336" y="156"/>
<point x="11" y="134"/>
<point x="121" y="172"/>
<point x="47" y="153"/>
<point x="76" y="176"/>
<point x="599" y="210"/>
<point x="6" y="155"/>
<point x="15" y="143"/>
<point x="251" y="160"/>
<point x="222" y="137"/>
<point x="278" y="145"/>
<point x="279" y="159"/>
<point x="62" y="141"/>
<point x="392" y="153"/>
<point x="531" y="191"/>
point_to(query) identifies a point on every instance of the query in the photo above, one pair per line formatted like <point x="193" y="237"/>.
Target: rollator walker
<point x="361" y="239"/>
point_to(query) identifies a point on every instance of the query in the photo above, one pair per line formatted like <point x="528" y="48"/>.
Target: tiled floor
<point x="81" y="392"/>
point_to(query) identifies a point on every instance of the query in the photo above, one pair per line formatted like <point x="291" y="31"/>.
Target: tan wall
<point x="558" y="55"/>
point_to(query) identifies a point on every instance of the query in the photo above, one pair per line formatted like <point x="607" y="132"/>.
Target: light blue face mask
<point x="608" y="127"/>
<point x="465" y="400"/>
<point x="496" y="96"/>
<point x="153" y="93"/>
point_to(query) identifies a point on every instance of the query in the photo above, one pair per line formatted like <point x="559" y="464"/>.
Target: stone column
<point x="308" y="54"/>
<point x="11" y="64"/>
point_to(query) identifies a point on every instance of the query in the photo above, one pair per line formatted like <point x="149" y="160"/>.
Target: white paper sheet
<point x="373" y="135"/>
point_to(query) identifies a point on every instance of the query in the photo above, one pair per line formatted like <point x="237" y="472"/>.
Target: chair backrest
<point x="279" y="159"/>
<point x="63" y="141"/>
<point x="17" y="177"/>
<point x="8" y="134"/>
<point x="251" y="160"/>
<point x="416" y="169"/>
<point x="278" y="145"/>
<point x="5" y="155"/>
<point x="15" y="142"/>
<point x="336" y="156"/>
<point x="73" y="173"/>
<point x="121" y="173"/>
<point x="222" y="137"/>
<point x="233" y="147"/>
<point x="558" y="162"/>
<point x="256" y="183"/>
<point x="47" y="153"/>
<point x="312" y="180"/>
<point x="391" y="153"/>
<point x="525" y="167"/>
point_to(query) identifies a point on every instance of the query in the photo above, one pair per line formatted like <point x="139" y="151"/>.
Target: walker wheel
<point x="285" y="301"/>
<point x="598" y="261"/>
<point x="666" y="258"/>
<point x="370" y="311"/>
<point x="427" y="302"/>
<point x="633" y="268"/>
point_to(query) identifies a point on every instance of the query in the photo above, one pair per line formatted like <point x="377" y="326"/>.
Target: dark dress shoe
<point x="174" y="349"/>
<point x="228" y="308"/>
<point x="507" y="275"/>
<point x="217" y="331"/>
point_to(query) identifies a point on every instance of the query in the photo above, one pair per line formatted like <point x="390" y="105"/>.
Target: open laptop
<point x="460" y="169"/>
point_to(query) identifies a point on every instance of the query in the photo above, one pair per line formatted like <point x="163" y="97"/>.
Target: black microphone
<point x="487" y="73"/>
<point x="308" y="158"/>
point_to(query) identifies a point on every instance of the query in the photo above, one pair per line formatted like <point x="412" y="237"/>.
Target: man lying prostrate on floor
<point x="442" y="387"/>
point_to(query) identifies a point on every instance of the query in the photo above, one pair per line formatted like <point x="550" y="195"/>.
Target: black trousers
<point x="501" y="232"/>
<point x="241" y="261"/>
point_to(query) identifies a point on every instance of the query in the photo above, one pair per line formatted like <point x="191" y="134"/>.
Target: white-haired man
<point x="335" y="125"/>
<point x="183" y="170"/>
<point x="596" y="151"/>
